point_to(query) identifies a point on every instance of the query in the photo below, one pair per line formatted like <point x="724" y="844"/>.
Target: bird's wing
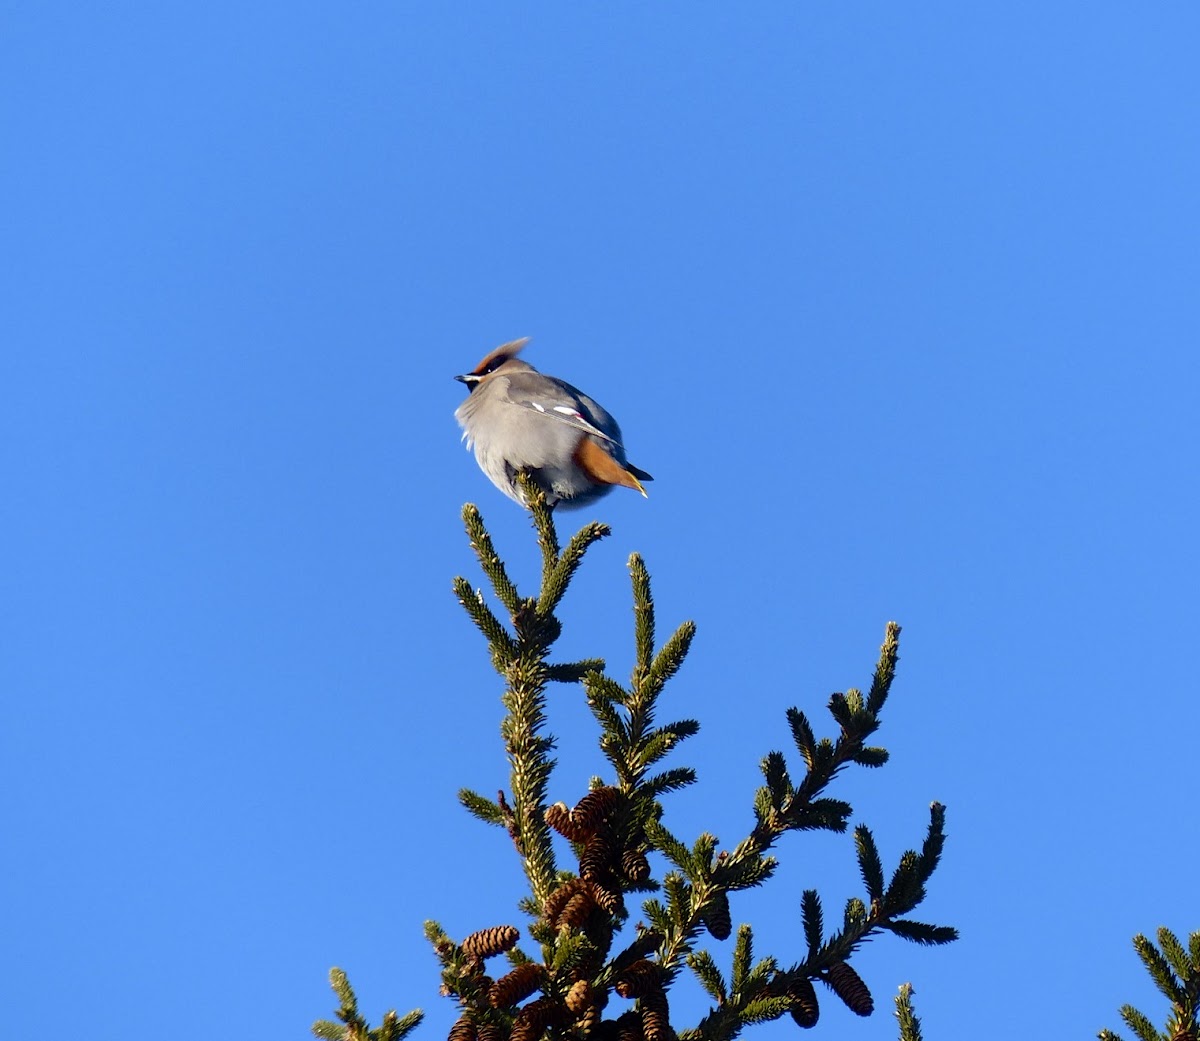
<point x="555" y="400"/>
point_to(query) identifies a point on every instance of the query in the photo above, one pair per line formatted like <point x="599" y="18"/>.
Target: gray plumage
<point x="515" y="418"/>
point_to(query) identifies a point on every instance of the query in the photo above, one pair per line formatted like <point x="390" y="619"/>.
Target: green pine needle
<point x="643" y="613"/>
<point x="904" y="889"/>
<point x="872" y="757"/>
<point x="478" y="806"/>
<point x="574" y="672"/>
<point x="670" y="847"/>
<point x="840" y="709"/>
<point x="1175" y="954"/>
<point x="499" y="642"/>
<point x="1159" y="970"/>
<point x="774" y="769"/>
<point x="681" y="729"/>
<point x="885" y="671"/>
<point x="1139" y="1024"/>
<point x="743" y="955"/>
<point x="489" y="559"/>
<point x="659" y="916"/>
<point x="802" y="734"/>
<point x="935" y="840"/>
<point x="670" y="658"/>
<point x="910" y="1025"/>
<point x="814" y="925"/>
<point x="702" y="964"/>
<point x="920" y="932"/>
<point x="855" y="916"/>
<point x="355" y="1027"/>
<point x="821" y="815"/>
<point x="669" y="781"/>
<point x="558" y="577"/>
<point x="764" y="1010"/>
<point x="868" y="862"/>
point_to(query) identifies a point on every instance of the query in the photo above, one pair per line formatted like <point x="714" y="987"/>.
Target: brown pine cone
<point x="558" y="817"/>
<point x="559" y="898"/>
<point x="515" y="986"/>
<point x="639" y="979"/>
<point x="577" y="910"/>
<point x="534" y="1018"/>
<point x="656" y="1017"/>
<point x="579" y="996"/>
<point x="594" y="808"/>
<point x="716" y="916"/>
<point x="598" y="857"/>
<point x="848" y="985"/>
<point x="805" y="1010"/>
<point x="488" y="942"/>
<point x="463" y="1030"/>
<point x="635" y="866"/>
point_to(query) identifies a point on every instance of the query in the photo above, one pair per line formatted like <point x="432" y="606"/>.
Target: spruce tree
<point x="585" y="973"/>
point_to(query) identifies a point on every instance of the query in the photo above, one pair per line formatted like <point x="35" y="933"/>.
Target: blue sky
<point x="899" y="307"/>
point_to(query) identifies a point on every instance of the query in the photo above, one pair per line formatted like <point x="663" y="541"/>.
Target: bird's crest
<point x="499" y="356"/>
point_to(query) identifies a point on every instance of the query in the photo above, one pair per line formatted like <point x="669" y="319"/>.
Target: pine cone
<point x="488" y="942"/>
<point x="656" y="1019"/>
<point x="559" y="898"/>
<point x="635" y="866"/>
<point x="587" y="1022"/>
<point x="594" y="808"/>
<point x="610" y="901"/>
<point x="490" y="1032"/>
<point x="640" y="979"/>
<point x="463" y="1030"/>
<point x="558" y="817"/>
<point x="598" y="857"/>
<point x="577" y="910"/>
<point x="805" y="1010"/>
<point x="515" y="986"/>
<point x="848" y="985"/>
<point x="716" y="916"/>
<point x="579" y="997"/>
<point x="534" y="1018"/>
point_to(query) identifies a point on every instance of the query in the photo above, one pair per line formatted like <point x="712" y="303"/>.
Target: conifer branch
<point x="910" y="1025"/>
<point x="520" y="657"/>
<point x="574" y="671"/>
<point x="353" y="1026"/>
<point x="885" y="671"/>
<point x="499" y="642"/>
<point x="783" y="806"/>
<point x="576" y="917"/>
<point x="484" y="809"/>
<point x="559" y="576"/>
<point x="1176" y="974"/>
<point x="743" y="955"/>
<point x="869" y="863"/>
<point x="489" y="559"/>
<point x="544" y="524"/>
<point x="643" y="613"/>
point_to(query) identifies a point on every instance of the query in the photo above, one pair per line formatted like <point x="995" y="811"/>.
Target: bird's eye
<point x="494" y="364"/>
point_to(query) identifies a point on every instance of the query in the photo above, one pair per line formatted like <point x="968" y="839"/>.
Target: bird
<point x="517" y="419"/>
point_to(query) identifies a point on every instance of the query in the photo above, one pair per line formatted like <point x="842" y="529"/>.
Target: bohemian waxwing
<point x="517" y="419"/>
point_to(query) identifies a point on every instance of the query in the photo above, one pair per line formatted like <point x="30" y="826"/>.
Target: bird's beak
<point x="468" y="378"/>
